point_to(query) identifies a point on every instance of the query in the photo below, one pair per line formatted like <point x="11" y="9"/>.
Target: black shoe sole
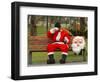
<point x="51" y="61"/>
<point x="62" y="61"/>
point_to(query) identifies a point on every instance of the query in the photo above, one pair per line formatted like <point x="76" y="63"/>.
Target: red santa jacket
<point x="59" y="36"/>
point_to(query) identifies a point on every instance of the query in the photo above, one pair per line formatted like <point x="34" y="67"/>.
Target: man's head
<point x="58" y="25"/>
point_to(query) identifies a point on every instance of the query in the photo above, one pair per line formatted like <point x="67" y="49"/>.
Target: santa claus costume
<point x="60" y="39"/>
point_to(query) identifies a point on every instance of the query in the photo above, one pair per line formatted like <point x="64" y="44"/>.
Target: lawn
<point x="41" y="57"/>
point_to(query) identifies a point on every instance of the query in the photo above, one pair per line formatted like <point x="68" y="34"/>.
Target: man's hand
<point x="53" y="30"/>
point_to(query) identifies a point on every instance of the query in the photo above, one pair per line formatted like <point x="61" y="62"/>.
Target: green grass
<point x="41" y="31"/>
<point x="41" y="57"/>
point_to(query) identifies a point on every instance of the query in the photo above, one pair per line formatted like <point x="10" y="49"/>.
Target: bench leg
<point x="29" y="58"/>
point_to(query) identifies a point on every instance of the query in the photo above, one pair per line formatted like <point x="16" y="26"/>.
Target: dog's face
<point x="78" y="43"/>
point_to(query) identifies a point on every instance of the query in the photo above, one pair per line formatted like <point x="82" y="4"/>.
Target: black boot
<point x="63" y="59"/>
<point x="81" y="52"/>
<point x="51" y="59"/>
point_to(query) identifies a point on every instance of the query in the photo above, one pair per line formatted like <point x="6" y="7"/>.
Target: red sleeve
<point x="49" y="34"/>
<point x="68" y="37"/>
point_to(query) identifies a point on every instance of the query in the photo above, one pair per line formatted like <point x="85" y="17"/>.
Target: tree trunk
<point x="33" y="26"/>
<point x="47" y="23"/>
<point x="82" y="25"/>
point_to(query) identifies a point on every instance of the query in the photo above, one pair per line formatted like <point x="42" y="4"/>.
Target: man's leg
<point x="63" y="59"/>
<point x="64" y="49"/>
<point x="51" y="48"/>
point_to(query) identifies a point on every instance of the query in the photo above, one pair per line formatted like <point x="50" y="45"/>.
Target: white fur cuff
<point x="50" y="53"/>
<point x="53" y="30"/>
<point x="65" y="53"/>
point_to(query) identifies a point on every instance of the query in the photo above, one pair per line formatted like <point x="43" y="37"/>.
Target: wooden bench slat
<point x="38" y="43"/>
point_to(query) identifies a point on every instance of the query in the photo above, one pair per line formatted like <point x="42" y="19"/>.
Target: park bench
<point x="38" y="44"/>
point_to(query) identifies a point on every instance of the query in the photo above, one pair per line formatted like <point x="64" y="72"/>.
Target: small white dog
<point x="78" y="44"/>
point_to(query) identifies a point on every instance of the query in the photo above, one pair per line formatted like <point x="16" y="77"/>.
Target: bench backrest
<point x="38" y="43"/>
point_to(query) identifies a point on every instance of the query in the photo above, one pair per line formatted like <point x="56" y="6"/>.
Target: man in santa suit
<point x="61" y="39"/>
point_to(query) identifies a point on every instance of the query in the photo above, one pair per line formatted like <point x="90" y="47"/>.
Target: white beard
<point x="76" y="49"/>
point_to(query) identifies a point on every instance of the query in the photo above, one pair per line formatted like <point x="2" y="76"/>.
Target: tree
<point x="33" y="29"/>
<point x="83" y="25"/>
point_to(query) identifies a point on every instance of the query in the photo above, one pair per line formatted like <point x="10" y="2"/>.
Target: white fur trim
<point x="65" y="53"/>
<point x="53" y="30"/>
<point x="58" y="43"/>
<point x="58" y="36"/>
<point x="50" y="53"/>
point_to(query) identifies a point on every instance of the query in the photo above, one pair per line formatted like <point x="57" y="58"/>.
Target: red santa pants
<point x="52" y="47"/>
